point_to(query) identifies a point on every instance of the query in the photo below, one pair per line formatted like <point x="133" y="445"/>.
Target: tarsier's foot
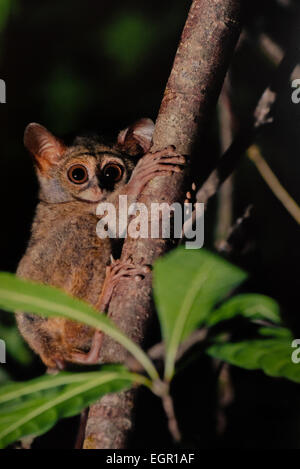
<point x="119" y="269"/>
<point x="155" y="164"/>
<point x="92" y="357"/>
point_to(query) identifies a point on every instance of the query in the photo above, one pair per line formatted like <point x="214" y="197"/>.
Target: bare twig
<point x="201" y="62"/>
<point x="276" y="187"/>
<point x="224" y="215"/>
<point x="225" y="394"/>
<point x="275" y="53"/>
<point x="195" y="338"/>
<point x="157" y="352"/>
<point x="172" y="421"/>
<point x="233" y="241"/>
<point x="272" y="50"/>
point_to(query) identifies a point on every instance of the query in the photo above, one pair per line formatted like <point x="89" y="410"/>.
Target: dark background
<point x="88" y="65"/>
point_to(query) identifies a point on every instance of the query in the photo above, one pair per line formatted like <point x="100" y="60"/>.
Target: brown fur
<point x="64" y="250"/>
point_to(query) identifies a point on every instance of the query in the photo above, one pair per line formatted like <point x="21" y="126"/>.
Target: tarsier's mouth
<point x="91" y="202"/>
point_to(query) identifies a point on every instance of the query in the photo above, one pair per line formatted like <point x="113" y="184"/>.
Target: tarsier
<point x="64" y="250"/>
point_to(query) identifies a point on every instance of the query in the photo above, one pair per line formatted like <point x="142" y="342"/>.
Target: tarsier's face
<point x="87" y="171"/>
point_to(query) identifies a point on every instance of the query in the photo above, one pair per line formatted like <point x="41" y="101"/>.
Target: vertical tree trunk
<point x="207" y="44"/>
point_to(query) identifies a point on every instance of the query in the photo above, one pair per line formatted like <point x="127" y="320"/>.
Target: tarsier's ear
<point x="137" y="138"/>
<point x="44" y="147"/>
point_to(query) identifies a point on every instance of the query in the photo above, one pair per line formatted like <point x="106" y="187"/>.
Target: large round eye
<point x="112" y="173"/>
<point x="78" y="174"/>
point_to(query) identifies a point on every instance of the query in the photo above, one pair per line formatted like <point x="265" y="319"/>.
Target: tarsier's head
<point x="88" y="170"/>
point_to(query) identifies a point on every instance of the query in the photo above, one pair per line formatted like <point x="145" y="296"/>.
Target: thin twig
<point x="235" y="236"/>
<point x="168" y="405"/>
<point x="157" y="352"/>
<point x="273" y="182"/>
<point x="225" y="392"/>
<point x="275" y="53"/>
<point x="269" y="47"/>
<point x="224" y="215"/>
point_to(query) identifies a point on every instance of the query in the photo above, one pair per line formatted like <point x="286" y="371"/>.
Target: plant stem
<point x="225" y="202"/>
<point x="168" y="406"/>
<point x="273" y="182"/>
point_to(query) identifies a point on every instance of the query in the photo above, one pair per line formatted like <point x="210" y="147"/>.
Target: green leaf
<point x="272" y="355"/>
<point x="33" y="407"/>
<point x="5" y="10"/>
<point x="19" y="295"/>
<point x="4" y="376"/>
<point x="282" y="332"/>
<point x="187" y="286"/>
<point x="67" y="95"/>
<point x="251" y="306"/>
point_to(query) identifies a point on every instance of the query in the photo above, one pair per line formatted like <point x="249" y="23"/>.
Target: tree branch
<point x="202" y="59"/>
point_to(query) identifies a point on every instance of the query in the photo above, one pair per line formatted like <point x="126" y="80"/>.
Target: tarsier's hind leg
<point x="114" y="273"/>
<point x="32" y="328"/>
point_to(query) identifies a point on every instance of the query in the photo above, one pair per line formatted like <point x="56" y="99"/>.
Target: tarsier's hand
<point x="154" y="164"/>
